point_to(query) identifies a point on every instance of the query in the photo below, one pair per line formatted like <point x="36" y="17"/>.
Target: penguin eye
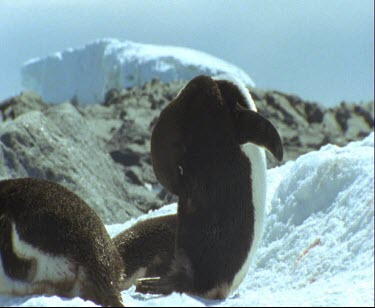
<point x="180" y="170"/>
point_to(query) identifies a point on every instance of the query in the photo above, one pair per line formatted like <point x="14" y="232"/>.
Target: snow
<point x="88" y="72"/>
<point x="318" y="244"/>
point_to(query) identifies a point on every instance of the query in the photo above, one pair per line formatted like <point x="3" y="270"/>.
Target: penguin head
<point x="250" y="126"/>
<point x="206" y="117"/>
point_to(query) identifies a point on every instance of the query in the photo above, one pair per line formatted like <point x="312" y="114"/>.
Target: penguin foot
<point x="154" y="285"/>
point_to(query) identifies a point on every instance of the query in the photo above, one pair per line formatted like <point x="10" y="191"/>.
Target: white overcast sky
<point x="322" y="50"/>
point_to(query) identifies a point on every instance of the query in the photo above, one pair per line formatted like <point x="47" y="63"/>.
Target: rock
<point x="306" y="126"/>
<point x="58" y="145"/>
<point x="365" y="114"/>
<point x="102" y="151"/>
<point x="15" y="106"/>
<point x="314" y="113"/>
<point x="342" y="115"/>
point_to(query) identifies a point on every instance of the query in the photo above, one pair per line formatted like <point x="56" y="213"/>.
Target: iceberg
<point x="88" y="72"/>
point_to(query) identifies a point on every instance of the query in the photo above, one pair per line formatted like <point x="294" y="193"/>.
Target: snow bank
<point x="88" y="72"/>
<point x="318" y="245"/>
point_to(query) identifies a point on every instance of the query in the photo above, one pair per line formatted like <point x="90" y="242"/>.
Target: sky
<point x="321" y="50"/>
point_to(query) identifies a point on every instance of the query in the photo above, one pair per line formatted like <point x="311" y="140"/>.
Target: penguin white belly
<point x="257" y="157"/>
<point x="49" y="272"/>
<point x="258" y="179"/>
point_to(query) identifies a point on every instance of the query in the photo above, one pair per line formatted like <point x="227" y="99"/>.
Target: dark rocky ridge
<point x="102" y="151"/>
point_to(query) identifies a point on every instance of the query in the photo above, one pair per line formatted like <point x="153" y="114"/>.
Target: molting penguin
<point x="204" y="149"/>
<point x="147" y="248"/>
<point x="52" y="242"/>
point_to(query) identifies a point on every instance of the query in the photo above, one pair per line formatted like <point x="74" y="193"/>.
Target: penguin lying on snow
<point x="147" y="248"/>
<point x="205" y="148"/>
<point x="52" y="242"/>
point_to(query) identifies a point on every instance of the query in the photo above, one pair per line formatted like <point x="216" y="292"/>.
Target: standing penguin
<point x="52" y="242"/>
<point x="207" y="148"/>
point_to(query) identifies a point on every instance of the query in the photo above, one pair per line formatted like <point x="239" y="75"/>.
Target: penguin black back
<point x="52" y="242"/>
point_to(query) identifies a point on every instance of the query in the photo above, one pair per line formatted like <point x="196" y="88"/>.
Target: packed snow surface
<point x="87" y="73"/>
<point x="318" y="244"/>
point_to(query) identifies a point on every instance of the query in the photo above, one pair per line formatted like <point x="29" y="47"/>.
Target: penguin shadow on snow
<point x="52" y="242"/>
<point x="207" y="148"/>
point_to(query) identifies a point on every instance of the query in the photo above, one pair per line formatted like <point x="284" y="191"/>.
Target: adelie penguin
<point x="207" y="147"/>
<point x="147" y="248"/>
<point x="52" y="242"/>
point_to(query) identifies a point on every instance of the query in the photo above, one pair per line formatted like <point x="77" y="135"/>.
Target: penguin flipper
<point x="15" y="267"/>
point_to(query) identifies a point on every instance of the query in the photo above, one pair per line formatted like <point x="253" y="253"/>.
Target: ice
<point x="88" y="72"/>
